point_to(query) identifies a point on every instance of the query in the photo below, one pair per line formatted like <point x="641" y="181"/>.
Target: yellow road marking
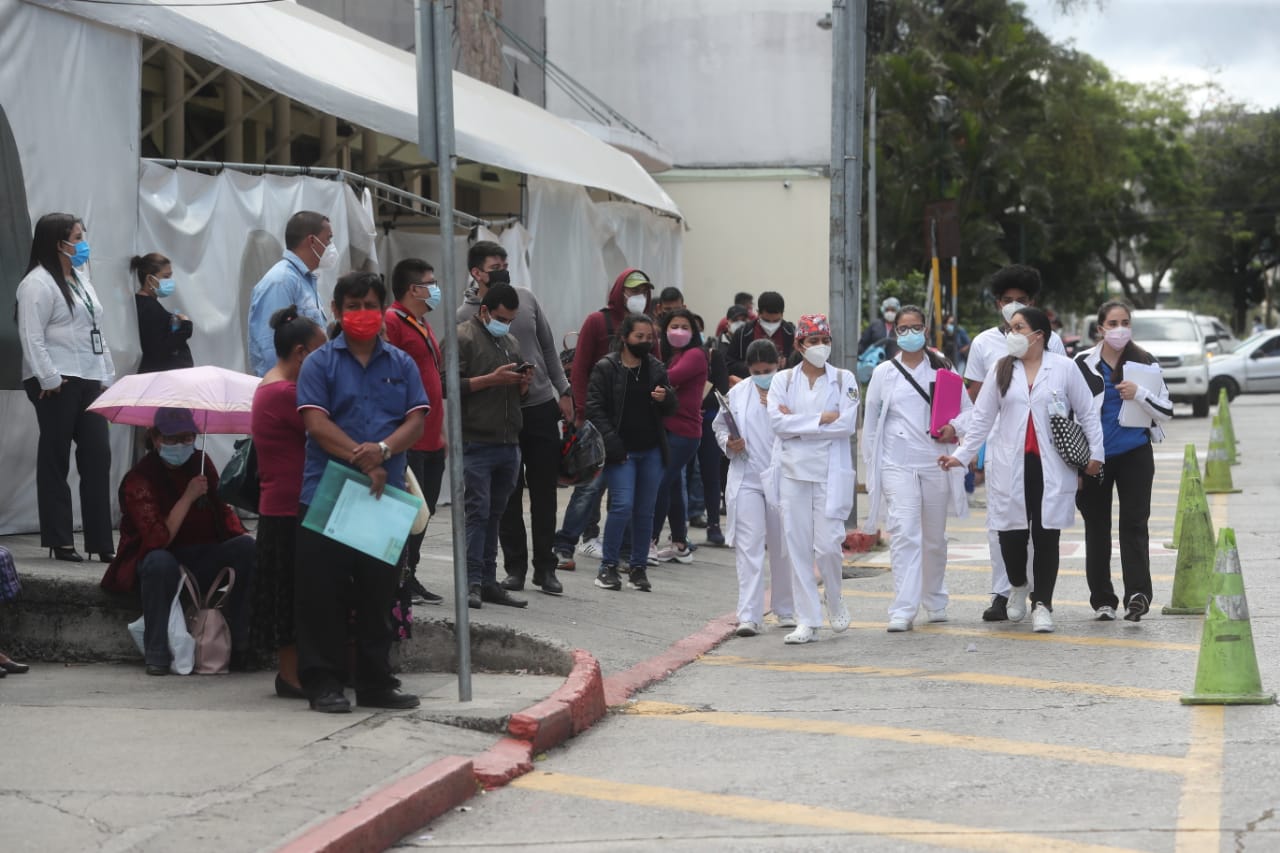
<point x="967" y="567"/>
<point x="1199" y="826"/>
<point x="981" y="599"/>
<point x="1025" y="635"/>
<point x="981" y="679"/>
<point x="918" y="737"/>
<point x="757" y="810"/>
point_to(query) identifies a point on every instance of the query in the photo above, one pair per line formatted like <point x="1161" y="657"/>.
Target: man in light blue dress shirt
<point x="308" y="240"/>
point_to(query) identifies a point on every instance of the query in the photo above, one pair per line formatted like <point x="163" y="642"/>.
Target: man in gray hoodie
<point x="548" y="401"/>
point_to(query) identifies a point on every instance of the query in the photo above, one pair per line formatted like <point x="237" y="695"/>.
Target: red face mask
<point x="362" y="325"/>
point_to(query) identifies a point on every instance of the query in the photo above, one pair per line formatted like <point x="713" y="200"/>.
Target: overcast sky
<point x="1233" y="42"/>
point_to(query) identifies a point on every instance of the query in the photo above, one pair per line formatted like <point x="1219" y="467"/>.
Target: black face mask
<point x="640" y="350"/>
<point x="499" y="277"/>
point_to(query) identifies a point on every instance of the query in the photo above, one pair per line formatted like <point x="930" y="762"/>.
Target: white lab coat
<point x="744" y="404"/>
<point x="887" y="382"/>
<point x="1006" y="507"/>
<point x="842" y="397"/>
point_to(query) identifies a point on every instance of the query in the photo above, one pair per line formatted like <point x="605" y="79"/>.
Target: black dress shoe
<point x="998" y="611"/>
<point x="106" y="556"/>
<point x="12" y="666"/>
<point x="67" y="554"/>
<point x="285" y="690"/>
<point x="548" y="583"/>
<point x="513" y="583"/>
<point x="473" y="596"/>
<point x="386" y="697"/>
<point x="152" y="669"/>
<point x="495" y="594"/>
<point x="331" y="702"/>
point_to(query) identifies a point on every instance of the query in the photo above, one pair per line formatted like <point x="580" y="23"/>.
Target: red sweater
<point x="419" y="342"/>
<point x="687" y="373"/>
<point x="595" y="341"/>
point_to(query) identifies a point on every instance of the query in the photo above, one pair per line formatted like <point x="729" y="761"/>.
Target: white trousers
<point x="757" y="526"/>
<point x="812" y="539"/>
<point x="916" y="502"/>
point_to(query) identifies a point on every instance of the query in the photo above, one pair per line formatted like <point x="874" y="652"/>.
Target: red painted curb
<point x="569" y="711"/>
<point x="393" y="812"/>
<point x="856" y="542"/>
<point x="619" y="687"/>
<point x="502" y="762"/>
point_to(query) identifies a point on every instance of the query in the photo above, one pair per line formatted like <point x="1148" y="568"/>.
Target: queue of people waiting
<point x="359" y="384"/>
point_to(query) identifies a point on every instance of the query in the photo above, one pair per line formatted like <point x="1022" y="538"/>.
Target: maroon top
<point x="687" y="373"/>
<point x="147" y="495"/>
<point x="419" y="342"/>
<point x="280" y="441"/>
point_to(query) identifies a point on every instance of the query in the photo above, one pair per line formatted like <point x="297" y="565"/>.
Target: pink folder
<point x="947" y="388"/>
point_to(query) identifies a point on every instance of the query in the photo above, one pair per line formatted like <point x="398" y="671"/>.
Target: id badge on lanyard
<point x="95" y="341"/>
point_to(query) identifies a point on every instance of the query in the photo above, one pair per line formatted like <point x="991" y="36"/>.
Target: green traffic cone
<point x="1217" y="467"/>
<point x="1190" y="469"/>
<point x="1191" y="573"/>
<point x="1227" y="671"/>
<point x="1228" y="429"/>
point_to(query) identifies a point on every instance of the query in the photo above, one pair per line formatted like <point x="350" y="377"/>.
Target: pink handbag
<point x="207" y="625"/>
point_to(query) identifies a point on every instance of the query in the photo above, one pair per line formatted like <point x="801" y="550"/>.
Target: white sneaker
<point x="1017" y="607"/>
<point x="786" y="621"/>
<point x="897" y="625"/>
<point x="839" y="619"/>
<point x="652" y="559"/>
<point x="801" y="635"/>
<point x="939" y="615"/>
<point x="1041" y="620"/>
<point x="747" y="629"/>
<point x="591" y="548"/>
<point x="1105" y="614"/>
<point x="673" y="554"/>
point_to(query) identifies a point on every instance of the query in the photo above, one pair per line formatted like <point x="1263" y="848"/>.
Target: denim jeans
<point x="709" y="459"/>
<point x="670" y="499"/>
<point x="577" y="514"/>
<point x="695" y="504"/>
<point x="633" y="487"/>
<point x="490" y="477"/>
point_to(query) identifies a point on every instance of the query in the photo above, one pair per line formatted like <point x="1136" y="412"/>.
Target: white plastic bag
<point x="181" y="645"/>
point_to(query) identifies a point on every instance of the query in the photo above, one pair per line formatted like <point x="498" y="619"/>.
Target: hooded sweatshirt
<point x="537" y="344"/>
<point x="595" y="338"/>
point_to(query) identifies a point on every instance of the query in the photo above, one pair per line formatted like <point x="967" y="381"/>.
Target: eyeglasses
<point x="180" y="438"/>
<point x="903" y="330"/>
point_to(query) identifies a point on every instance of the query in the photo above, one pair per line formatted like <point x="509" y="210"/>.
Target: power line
<point x="194" y="5"/>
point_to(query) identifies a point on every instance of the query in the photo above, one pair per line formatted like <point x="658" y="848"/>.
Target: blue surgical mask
<point x="433" y="297"/>
<point x="497" y="328"/>
<point x="164" y="287"/>
<point x="175" y="454"/>
<point x="763" y="380"/>
<point x="911" y="341"/>
<point x="80" y="256"/>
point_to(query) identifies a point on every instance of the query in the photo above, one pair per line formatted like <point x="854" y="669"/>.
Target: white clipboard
<point x="1148" y="376"/>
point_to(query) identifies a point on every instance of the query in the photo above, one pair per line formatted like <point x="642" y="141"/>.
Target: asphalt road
<point x="958" y="736"/>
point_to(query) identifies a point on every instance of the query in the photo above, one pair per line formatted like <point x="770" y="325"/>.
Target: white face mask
<point x="329" y="259"/>
<point x="1118" y="336"/>
<point x="1009" y="310"/>
<point x="735" y="326"/>
<point x="770" y="328"/>
<point x="890" y="315"/>
<point x="818" y="354"/>
<point x="636" y="303"/>
<point x="1018" y="344"/>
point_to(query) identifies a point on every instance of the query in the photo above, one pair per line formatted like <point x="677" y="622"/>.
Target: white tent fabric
<point x="331" y="67"/>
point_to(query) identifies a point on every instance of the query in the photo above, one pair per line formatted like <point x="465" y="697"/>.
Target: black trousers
<point x="1013" y="543"/>
<point x="539" y="474"/>
<point x="331" y="581"/>
<point x="1131" y="475"/>
<point x="428" y="466"/>
<point x="63" y="418"/>
<point x="709" y="456"/>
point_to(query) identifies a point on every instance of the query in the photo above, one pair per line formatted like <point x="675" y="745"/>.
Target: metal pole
<point x="873" y="281"/>
<point x="435" y="65"/>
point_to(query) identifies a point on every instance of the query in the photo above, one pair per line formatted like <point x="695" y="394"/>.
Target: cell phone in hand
<point x="522" y="367"/>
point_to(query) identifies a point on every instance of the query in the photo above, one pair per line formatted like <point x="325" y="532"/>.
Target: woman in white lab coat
<point x="1109" y="368"/>
<point x="754" y="520"/>
<point x="1030" y="489"/>
<point x="904" y="482"/>
<point x="813" y="409"/>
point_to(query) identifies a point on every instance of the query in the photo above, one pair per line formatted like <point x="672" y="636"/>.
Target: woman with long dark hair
<point x="627" y="397"/>
<point x="1130" y="465"/>
<point x="1030" y="488"/>
<point x="65" y="365"/>
<point x="163" y="335"/>
<point x="687" y="367"/>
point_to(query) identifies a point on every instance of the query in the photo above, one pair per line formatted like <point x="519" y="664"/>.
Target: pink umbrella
<point x="220" y="400"/>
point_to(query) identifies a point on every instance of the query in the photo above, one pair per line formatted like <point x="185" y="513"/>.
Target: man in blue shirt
<point x="363" y="405"/>
<point x="308" y="240"/>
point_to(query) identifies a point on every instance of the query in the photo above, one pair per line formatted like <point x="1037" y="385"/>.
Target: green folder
<point x="343" y="510"/>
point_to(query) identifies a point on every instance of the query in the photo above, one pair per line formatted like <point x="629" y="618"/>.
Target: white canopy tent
<point x="330" y="67"/>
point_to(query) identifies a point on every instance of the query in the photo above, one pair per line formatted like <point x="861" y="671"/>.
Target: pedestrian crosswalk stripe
<point x="981" y="679"/>
<point x="919" y="737"/>
<point x="759" y="810"/>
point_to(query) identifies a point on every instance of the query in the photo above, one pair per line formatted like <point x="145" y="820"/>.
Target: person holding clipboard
<point x="1132" y="401"/>
<point x="754" y="518"/>
<point x="904" y="482"/>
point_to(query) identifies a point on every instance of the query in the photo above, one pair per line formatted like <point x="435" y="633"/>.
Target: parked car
<point x="1177" y="342"/>
<point x="1254" y="367"/>
<point x="1218" y="338"/>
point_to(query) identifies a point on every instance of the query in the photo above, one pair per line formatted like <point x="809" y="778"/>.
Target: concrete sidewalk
<point x="98" y="756"/>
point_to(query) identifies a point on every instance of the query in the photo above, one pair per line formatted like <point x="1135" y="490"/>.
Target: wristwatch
<point x="386" y="450"/>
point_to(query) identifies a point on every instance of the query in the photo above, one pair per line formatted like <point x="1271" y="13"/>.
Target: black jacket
<point x="735" y="355"/>
<point x="607" y="394"/>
